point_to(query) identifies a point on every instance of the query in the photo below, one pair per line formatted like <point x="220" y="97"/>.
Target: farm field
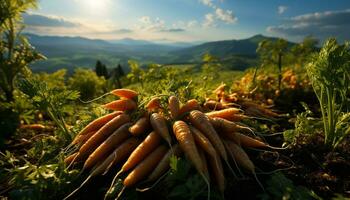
<point x="255" y="118"/>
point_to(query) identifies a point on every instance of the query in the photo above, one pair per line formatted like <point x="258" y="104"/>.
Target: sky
<point x="191" y="20"/>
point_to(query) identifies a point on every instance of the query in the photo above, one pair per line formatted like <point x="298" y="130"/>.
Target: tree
<point x="272" y="52"/>
<point x="15" y="51"/>
<point x="116" y="74"/>
<point x="101" y="69"/>
<point x="301" y="52"/>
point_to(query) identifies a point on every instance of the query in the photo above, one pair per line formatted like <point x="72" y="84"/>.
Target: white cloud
<point x="225" y="16"/>
<point x="281" y="9"/>
<point x="149" y="24"/>
<point x="32" y="19"/>
<point x="319" y="24"/>
<point x="159" y="25"/>
<point x="209" y="20"/>
<point x="192" y="23"/>
<point x="145" y="19"/>
<point x="56" y="25"/>
<point x="208" y="3"/>
<point x="220" y="14"/>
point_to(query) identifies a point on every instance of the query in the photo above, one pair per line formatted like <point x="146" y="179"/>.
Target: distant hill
<point x="58" y="45"/>
<point x="223" y="49"/>
<point x="72" y="52"/>
<point x="130" y="41"/>
<point x="134" y="42"/>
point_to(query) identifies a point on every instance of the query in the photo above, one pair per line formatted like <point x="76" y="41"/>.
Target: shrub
<point x="87" y="83"/>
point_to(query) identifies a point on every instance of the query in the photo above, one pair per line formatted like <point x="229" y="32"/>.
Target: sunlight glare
<point x="96" y="5"/>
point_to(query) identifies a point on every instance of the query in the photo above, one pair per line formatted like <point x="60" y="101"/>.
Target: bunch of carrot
<point x="141" y="148"/>
<point x="234" y="100"/>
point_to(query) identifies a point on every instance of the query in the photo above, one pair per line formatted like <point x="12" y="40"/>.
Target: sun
<point x="96" y="5"/>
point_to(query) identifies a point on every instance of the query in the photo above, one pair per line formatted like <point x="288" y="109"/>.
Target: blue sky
<point x="191" y="20"/>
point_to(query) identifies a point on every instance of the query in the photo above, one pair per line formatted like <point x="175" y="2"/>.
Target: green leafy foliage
<point x="28" y="180"/>
<point x="211" y="67"/>
<point x="56" y="79"/>
<point x="163" y="80"/>
<point x="101" y="69"/>
<point x="87" y="83"/>
<point x="9" y="121"/>
<point x="280" y="187"/>
<point x="272" y="52"/>
<point x="115" y="77"/>
<point x="15" y="51"/>
<point x="54" y="101"/>
<point x="329" y="72"/>
<point x="136" y="74"/>
<point x="305" y="124"/>
<point x="301" y="51"/>
<point x="183" y="184"/>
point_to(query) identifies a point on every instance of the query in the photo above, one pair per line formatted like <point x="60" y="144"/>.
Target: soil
<point x="312" y="165"/>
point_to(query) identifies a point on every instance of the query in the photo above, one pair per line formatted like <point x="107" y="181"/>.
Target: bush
<point x="56" y="79"/>
<point x="87" y="83"/>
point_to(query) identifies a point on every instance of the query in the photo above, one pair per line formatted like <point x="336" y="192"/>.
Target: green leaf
<point x="173" y="162"/>
<point x="280" y="187"/>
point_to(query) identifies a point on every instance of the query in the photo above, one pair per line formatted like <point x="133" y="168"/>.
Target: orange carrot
<point x="232" y="97"/>
<point x="116" y="138"/>
<point x="257" y="110"/>
<point x="220" y="89"/>
<point x="90" y="145"/>
<point x="163" y="165"/>
<point x="174" y="106"/>
<point x="201" y="122"/>
<point x="249" y="142"/>
<point x="158" y="123"/>
<point x="36" y="127"/>
<point x="119" y="154"/>
<point x="96" y="124"/>
<point x="202" y="141"/>
<point x="187" y="145"/>
<point x="189" y="106"/>
<point x="224" y="101"/>
<point x="146" y="147"/>
<point x="140" y="127"/>
<point x="145" y="167"/>
<point x="80" y="139"/>
<point x="153" y="104"/>
<point x="125" y="93"/>
<point x="228" y="126"/>
<point x="204" y="161"/>
<point x="70" y="158"/>
<point x="121" y="105"/>
<point x="218" y="171"/>
<point x="241" y="156"/>
<point x="214" y="105"/>
<point x="228" y="113"/>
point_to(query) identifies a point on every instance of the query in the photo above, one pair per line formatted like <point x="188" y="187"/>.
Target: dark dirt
<point x="314" y="166"/>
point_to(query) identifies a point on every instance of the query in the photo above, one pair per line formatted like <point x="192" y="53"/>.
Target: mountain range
<point x="72" y="52"/>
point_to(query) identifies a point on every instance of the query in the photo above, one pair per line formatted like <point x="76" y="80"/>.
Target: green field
<point x="256" y="118"/>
